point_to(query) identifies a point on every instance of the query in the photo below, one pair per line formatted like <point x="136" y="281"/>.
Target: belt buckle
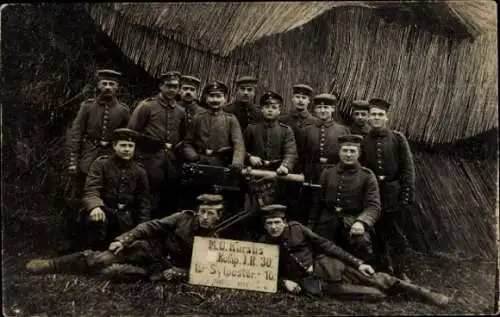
<point x="338" y="209"/>
<point x="323" y="160"/>
<point x="121" y="206"/>
<point x="209" y="152"/>
<point x="168" y="146"/>
<point x="103" y="143"/>
<point x="381" y="177"/>
<point x="266" y="163"/>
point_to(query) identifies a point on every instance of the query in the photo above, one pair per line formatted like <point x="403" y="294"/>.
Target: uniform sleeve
<point x="248" y="138"/>
<point x="329" y="248"/>
<point x="289" y="149"/>
<point x="301" y="146"/>
<point x="188" y="148"/>
<point x="76" y="133"/>
<point x="150" y="229"/>
<point x="143" y="196"/>
<point x="126" y="117"/>
<point x="371" y="202"/>
<point x="139" y="117"/>
<point x="93" y="186"/>
<point x="238" y="143"/>
<point x="407" y="171"/>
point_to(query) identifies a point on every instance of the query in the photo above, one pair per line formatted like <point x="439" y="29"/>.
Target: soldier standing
<point x="161" y="120"/>
<point x="360" y="110"/>
<point x="146" y="245"/>
<point x="116" y="195"/>
<point x="243" y="107"/>
<point x="350" y="202"/>
<point x="387" y="153"/>
<point x="189" y="94"/>
<point x="89" y="137"/>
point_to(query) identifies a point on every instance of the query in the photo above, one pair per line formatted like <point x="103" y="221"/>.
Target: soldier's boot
<point x="40" y="266"/>
<point x="421" y="293"/>
<point x="74" y="262"/>
<point x="400" y="268"/>
<point x="353" y="292"/>
<point x="123" y="272"/>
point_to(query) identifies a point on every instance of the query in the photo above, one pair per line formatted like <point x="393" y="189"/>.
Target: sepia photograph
<point x="265" y="158"/>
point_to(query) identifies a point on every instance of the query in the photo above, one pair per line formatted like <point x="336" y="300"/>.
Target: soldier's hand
<point x="97" y="214"/>
<point x="115" y="247"/>
<point x="255" y="161"/>
<point x="72" y="169"/>
<point x="282" y="170"/>
<point x="292" y="286"/>
<point x="366" y="269"/>
<point x="236" y="167"/>
<point x="357" y="228"/>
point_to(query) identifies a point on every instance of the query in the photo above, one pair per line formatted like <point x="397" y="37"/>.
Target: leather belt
<point x="209" y="152"/>
<point x="323" y="160"/>
<point x="386" y="178"/>
<point x="100" y="143"/>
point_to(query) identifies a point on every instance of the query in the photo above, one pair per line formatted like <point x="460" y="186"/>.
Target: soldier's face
<point x="208" y="217"/>
<point x="169" y="89"/>
<point x="271" y="111"/>
<point x="349" y="153"/>
<point x="246" y="93"/>
<point x="124" y="149"/>
<point x="107" y="87"/>
<point x="300" y="101"/>
<point x="275" y="226"/>
<point x="215" y="100"/>
<point x="378" y="117"/>
<point x="323" y="112"/>
<point x="360" y="115"/>
<point x="188" y="93"/>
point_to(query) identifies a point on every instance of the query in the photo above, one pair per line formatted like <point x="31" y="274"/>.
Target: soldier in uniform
<point x="89" y="137"/>
<point x="161" y="120"/>
<point x="145" y="246"/>
<point x="387" y="153"/>
<point x="243" y="107"/>
<point x="360" y="110"/>
<point x="350" y="202"/>
<point x="189" y="94"/>
<point x="116" y="195"/>
<point x="318" y="266"/>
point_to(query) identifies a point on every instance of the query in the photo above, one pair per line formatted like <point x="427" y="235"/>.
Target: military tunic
<point x="121" y="189"/>
<point x="298" y="120"/>
<point x="387" y="153"/>
<point x="359" y="129"/>
<point x="192" y="110"/>
<point x="95" y="122"/>
<point x="246" y="113"/>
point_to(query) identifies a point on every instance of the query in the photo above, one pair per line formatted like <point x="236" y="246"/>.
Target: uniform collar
<point x="326" y="124"/>
<point x="379" y="132"/>
<point x="269" y="124"/>
<point x="121" y="162"/>
<point x="110" y="102"/>
<point x="301" y="114"/>
<point x="216" y="112"/>
<point x="191" y="105"/>
<point x="165" y="102"/>
<point x="348" y="168"/>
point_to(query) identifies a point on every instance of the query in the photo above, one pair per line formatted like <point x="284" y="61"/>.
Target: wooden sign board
<point x="234" y="264"/>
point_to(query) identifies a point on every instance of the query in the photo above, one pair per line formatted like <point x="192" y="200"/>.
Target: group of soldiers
<point x="343" y="219"/>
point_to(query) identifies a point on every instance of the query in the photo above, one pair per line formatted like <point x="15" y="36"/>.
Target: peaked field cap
<point x="274" y="210"/>
<point x="190" y="80"/>
<point x="246" y="80"/>
<point x="270" y="97"/>
<point x="350" y="138"/>
<point x="360" y="105"/>
<point x="108" y="74"/>
<point x="379" y="103"/>
<point x="325" y="99"/>
<point x="170" y="75"/>
<point x="215" y="86"/>
<point x="212" y="201"/>
<point x="124" y="134"/>
<point x="303" y="89"/>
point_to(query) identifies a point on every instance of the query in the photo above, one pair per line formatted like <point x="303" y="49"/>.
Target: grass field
<point x="472" y="284"/>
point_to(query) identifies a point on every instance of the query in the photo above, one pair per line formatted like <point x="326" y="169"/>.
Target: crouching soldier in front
<point x="350" y="201"/>
<point x="167" y="241"/>
<point x="329" y="271"/>
<point x="116" y="194"/>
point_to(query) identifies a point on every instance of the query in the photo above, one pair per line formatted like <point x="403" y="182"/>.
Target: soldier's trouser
<point x="72" y="220"/>
<point x="142" y="253"/>
<point x="154" y="166"/>
<point x="170" y="198"/>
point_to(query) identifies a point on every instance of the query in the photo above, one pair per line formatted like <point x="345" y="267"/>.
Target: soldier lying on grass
<point x="317" y="266"/>
<point x="167" y="242"/>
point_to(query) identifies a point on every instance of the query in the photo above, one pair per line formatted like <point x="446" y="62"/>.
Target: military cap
<point x="350" y="138"/>
<point x="379" y="103"/>
<point x="246" y="80"/>
<point x="108" y="74"/>
<point x="215" y="86"/>
<point x="270" y="97"/>
<point x="326" y="99"/>
<point x="274" y="210"/>
<point x="171" y="75"/>
<point x="211" y="201"/>
<point x="124" y="134"/>
<point x="190" y="80"/>
<point x="360" y="105"/>
<point x="303" y="89"/>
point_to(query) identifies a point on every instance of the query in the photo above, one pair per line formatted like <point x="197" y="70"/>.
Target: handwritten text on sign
<point x="234" y="264"/>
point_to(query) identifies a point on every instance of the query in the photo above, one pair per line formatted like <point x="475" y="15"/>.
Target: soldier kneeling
<point x="329" y="270"/>
<point x="137" y="252"/>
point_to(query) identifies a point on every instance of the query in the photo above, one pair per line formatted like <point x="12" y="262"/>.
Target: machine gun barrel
<point x="273" y="175"/>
